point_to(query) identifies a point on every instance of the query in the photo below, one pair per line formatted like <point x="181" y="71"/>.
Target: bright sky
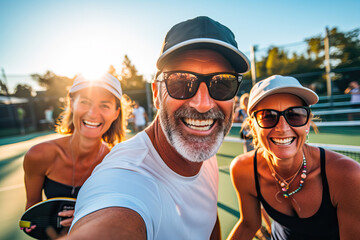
<point x="87" y="36"/>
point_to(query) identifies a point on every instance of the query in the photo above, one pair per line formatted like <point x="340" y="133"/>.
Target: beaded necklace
<point x="285" y="183"/>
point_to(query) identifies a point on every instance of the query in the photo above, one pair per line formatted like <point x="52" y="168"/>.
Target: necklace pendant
<point x="284" y="189"/>
<point x="73" y="190"/>
<point x="282" y="184"/>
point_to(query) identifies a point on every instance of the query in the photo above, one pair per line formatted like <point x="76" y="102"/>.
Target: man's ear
<point x="155" y="89"/>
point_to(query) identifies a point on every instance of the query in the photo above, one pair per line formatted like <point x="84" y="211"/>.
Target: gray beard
<point x="194" y="148"/>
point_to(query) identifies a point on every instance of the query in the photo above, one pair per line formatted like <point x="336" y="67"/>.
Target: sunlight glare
<point x="92" y="73"/>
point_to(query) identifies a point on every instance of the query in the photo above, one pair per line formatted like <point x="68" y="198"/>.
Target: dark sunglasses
<point x="294" y="116"/>
<point x="222" y="86"/>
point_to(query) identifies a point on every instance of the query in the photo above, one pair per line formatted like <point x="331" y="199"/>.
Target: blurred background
<point x="45" y="44"/>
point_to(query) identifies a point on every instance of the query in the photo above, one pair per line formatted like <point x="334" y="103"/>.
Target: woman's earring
<point x="307" y="136"/>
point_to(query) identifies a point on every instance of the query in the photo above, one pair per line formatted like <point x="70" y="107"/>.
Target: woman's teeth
<point x="201" y="125"/>
<point x="283" y="141"/>
<point x="91" y="124"/>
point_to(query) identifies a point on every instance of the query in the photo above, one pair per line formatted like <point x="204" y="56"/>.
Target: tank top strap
<point x="322" y="166"/>
<point x="323" y="171"/>
<point x="256" y="176"/>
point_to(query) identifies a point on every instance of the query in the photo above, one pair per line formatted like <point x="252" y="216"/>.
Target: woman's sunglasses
<point x="294" y="116"/>
<point x="222" y="86"/>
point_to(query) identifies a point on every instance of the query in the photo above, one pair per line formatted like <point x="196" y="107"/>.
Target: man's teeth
<point x="91" y="124"/>
<point x="283" y="141"/>
<point x="201" y="125"/>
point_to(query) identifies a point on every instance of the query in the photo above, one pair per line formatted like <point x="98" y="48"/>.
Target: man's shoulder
<point x="139" y="141"/>
<point x="129" y="154"/>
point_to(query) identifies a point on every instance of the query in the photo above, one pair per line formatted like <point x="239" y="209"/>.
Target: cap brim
<point x="95" y="84"/>
<point x="236" y="58"/>
<point x="309" y="96"/>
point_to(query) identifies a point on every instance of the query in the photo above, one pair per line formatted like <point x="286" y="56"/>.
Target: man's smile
<point x="200" y="125"/>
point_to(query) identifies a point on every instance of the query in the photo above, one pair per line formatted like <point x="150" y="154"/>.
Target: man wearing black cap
<point x="163" y="183"/>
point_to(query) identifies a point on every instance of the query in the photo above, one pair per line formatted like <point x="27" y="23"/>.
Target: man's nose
<point x="202" y="101"/>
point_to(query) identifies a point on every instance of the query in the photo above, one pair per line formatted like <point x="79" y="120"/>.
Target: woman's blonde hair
<point x="116" y="132"/>
<point x="242" y="100"/>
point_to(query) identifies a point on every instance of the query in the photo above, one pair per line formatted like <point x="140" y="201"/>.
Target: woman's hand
<point x="29" y="229"/>
<point x="69" y="215"/>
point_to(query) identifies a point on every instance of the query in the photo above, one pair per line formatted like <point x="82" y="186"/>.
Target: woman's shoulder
<point x="242" y="173"/>
<point x="341" y="166"/>
<point x="242" y="163"/>
<point x="343" y="176"/>
<point x="45" y="151"/>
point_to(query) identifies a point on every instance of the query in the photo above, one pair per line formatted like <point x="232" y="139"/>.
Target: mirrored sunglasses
<point x="222" y="86"/>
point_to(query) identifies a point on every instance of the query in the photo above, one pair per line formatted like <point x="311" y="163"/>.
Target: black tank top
<point x="322" y="225"/>
<point x="55" y="189"/>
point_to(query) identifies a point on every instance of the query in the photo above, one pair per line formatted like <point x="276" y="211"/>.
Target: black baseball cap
<point x="203" y="33"/>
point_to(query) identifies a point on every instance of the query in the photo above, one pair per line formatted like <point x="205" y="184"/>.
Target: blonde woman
<point x="93" y="121"/>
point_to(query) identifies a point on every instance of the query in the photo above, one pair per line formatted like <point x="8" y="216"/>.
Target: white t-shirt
<point x="134" y="176"/>
<point x="139" y="116"/>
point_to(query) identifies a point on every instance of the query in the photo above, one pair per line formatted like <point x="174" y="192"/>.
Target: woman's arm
<point x="35" y="165"/>
<point x="250" y="214"/>
<point x="216" y="233"/>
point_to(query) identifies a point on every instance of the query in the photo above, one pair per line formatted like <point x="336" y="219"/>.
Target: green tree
<point x="347" y="46"/>
<point x="309" y="66"/>
<point x="277" y="61"/>
<point x="3" y="88"/>
<point x="130" y="79"/>
<point x="56" y="86"/>
<point x="344" y="48"/>
<point x="315" y="47"/>
<point x="23" y="91"/>
<point x="132" y="83"/>
<point x="344" y="55"/>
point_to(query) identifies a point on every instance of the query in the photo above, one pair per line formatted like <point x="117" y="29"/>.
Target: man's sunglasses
<point x="294" y="116"/>
<point x="222" y="86"/>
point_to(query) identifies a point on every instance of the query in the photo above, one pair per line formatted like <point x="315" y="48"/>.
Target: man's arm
<point x="109" y="223"/>
<point x="106" y="209"/>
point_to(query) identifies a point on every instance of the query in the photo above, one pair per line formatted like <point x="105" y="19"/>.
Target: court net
<point x="350" y="151"/>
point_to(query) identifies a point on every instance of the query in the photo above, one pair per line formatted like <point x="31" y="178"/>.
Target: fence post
<point x="148" y="100"/>
<point x="253" y="64"/>
<point x="11" y="108"/>
<point x="327" y="62"/>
